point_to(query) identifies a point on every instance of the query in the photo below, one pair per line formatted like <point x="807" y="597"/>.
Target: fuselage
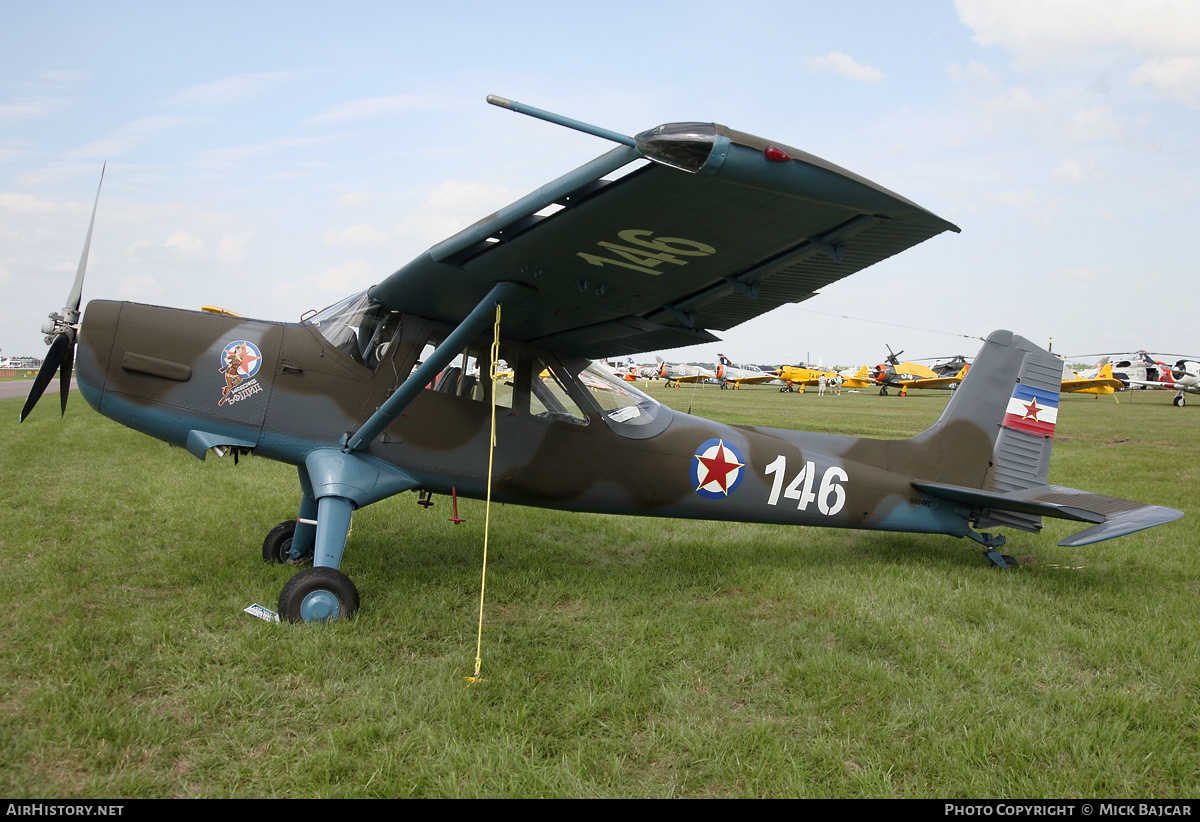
<point x="565" y="438"/>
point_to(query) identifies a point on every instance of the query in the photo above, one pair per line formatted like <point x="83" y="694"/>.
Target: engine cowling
<point x="1186" y="372"/>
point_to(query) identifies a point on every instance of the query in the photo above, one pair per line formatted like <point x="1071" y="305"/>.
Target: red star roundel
<point x="717" y="469"/>
<point x="243" y="356"/>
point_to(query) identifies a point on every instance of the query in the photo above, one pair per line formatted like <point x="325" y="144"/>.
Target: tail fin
<point x="992" y="447"/>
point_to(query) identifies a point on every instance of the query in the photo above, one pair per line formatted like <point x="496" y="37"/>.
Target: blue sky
<point x="274" y="157"/>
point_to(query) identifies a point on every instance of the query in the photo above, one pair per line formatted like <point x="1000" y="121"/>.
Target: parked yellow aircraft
<point x="1102" y="383"/>
<point x="803" y="375"/>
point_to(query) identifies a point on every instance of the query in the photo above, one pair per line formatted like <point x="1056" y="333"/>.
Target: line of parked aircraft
<point x="1106" y="377"/>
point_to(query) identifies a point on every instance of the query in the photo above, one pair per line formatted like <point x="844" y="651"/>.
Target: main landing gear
<point x="280" y="548"/>
<point x="318" y="594"/>
<point x="315" y="594"/>
<point x="317" y="535"/>
<point x="1180" y="400"/>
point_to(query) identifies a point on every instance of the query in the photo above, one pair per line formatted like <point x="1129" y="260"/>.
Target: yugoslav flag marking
<point x="1032" y="410"/>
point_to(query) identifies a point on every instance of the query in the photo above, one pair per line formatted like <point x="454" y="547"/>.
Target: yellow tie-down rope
<point x="487" y="510"/>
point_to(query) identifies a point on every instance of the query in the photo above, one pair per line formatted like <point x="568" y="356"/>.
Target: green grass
<point x="622" y="656"/>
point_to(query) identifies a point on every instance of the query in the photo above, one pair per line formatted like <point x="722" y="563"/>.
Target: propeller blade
<point x="77" y="287"/>
<point x="61" y="328"/>
<point x="54" y="358"/>
<point x="64" y="376"/>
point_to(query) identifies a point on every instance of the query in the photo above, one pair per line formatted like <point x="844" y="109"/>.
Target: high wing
<point x="707" y="228"/>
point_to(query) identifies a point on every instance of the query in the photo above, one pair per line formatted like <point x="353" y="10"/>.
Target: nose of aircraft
<point x="96" y="334"/>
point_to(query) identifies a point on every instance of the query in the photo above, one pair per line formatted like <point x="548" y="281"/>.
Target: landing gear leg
<point x="323" y="592"/>
<point x="990" y="543"/>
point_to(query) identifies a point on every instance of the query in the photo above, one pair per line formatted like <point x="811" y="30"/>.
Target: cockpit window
<point x="360" y="328"/>
<point x="549" y="398"/>
<point x="627" y="410"/>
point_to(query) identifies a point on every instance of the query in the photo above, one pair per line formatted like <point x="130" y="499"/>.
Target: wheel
<point x="1179" y="400"/>
<point x="318" y="594"/>
<point x="883" y="391"/>
<point x="277" y="547"/>
<point x="1010" y="559"/>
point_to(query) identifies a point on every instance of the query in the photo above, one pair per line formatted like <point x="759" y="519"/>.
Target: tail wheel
<point x="318" y="595"/>
<point x="277" y="547"/>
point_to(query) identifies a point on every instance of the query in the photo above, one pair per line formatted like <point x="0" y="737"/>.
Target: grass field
<point x="623" y="657"/>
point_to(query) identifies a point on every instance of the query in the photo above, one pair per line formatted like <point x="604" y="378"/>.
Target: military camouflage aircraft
<point x="376" y="395"/>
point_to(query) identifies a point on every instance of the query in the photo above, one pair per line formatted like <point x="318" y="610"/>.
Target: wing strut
<point x="509" y="292"/>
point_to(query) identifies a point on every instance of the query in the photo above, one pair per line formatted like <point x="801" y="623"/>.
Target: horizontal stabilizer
<point x="1114" y="517"/>
<point x="1144" y="516"/>
<point x="1011" y="501"/>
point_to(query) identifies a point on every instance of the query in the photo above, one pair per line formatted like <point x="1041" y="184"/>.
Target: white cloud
<point x="127" y="138"/>
<point x="1023" y="199"/>
<point x="30" y="108"/>
<point x="974" y="72"/>
<point x="377" y="106"/>
<point x="226" y="158"/>
<point x="1177" y="78"/>
<point x="185" y="242"/>
<point x="1072" y="171"/>
<point x="355" y="235"/>
<point x="27" y="204"/>
<point x="46" y="94"/>
<point x="230" y="89"/>
<point x="1040" y="30"/>
<point x="232" y="247"/>
<point x="1094" y="123"/>
<point x="133" y="248"/>
<point x="343" y="279"/>
<point x="140" y="286"/>
<point x="1075" y="274"/>
<point x="450" y="207"/>
<point x="353" y="199"/>
<point x="846" y="66"/>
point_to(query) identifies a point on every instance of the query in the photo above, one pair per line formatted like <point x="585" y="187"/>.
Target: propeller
<point x="61" y="329"/>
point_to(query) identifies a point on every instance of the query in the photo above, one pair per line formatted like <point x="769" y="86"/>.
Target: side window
<point x="468" y="375"/>
<point x="548" y="397"/>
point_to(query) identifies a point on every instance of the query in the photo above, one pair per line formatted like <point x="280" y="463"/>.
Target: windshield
<point x="627" y="410"/>
<point x="358" y="327"/>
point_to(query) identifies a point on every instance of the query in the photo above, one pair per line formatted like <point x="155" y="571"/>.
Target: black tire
<point x="1179" y="401"/>
<point x="883" y="392"/>
<point x="318" y="594"/>
<point x="1010" y="559"/>
<point x="278" y="544"/>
